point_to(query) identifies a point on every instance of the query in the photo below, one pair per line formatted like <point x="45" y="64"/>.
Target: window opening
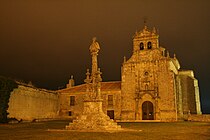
<point x="72" y="100"/>
<point x="110" y="100"/>
<point x="141" y="46"/>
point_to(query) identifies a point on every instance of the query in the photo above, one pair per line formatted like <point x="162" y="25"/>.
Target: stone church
<point x="152" y="87"/>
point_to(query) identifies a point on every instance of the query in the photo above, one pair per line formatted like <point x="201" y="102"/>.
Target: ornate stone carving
<point x="93" y="117"/>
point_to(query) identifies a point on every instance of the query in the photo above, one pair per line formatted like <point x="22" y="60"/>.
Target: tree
<point x="6" y="87"/>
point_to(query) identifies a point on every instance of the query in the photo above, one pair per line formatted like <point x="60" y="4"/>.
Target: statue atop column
<point x="93" y="80"/>
<point x="93" y="117"/>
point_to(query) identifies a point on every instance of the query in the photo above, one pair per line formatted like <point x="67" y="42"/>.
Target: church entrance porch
<point x="147" y="111"/>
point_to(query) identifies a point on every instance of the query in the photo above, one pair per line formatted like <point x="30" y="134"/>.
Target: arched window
<point x="141" y="46"/>
<point x="149" y="45"/>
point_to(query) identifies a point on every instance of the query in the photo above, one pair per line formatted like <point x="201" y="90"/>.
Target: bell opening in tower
<point x="141" y="46"/>
<point x="149" y="45"/>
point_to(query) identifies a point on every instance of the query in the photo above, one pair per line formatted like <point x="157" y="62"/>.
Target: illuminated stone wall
<point x="190" y="93"/>
<point x="116" y="107"/>
<point x="146" y="80"/>
<point x="65" y="107"/>
<point x="29" y="103"/>
<point x="199" y="118"/>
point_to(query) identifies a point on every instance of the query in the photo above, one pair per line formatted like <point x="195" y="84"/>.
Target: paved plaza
<point x="53" y="130"/>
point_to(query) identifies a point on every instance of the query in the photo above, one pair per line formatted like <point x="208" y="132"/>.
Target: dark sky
<point x="46" y="41"/>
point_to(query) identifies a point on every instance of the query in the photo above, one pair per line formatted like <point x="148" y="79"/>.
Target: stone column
<point x="93" y="118"/>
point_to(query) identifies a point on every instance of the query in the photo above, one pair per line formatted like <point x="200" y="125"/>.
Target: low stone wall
<point x="199" y="118"/>
<point x="29" y="103"/>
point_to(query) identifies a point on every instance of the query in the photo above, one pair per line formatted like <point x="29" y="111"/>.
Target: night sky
<point x="47" y="41"/>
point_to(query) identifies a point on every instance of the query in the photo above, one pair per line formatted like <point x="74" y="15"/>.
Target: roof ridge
<point x="111" y="82"/>
<point x="71" y="87"/>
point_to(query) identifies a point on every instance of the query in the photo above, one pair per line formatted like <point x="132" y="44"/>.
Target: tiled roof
<point x="105" y="86"/>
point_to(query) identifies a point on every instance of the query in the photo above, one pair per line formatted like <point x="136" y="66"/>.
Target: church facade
<point x="152" y="87"/>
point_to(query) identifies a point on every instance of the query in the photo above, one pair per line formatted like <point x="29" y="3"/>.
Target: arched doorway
<point x="147" y="111"/>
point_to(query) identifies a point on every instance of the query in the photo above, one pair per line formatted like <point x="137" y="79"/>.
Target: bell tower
<point x="148" y="89"/>
<point x="145" y="40"/>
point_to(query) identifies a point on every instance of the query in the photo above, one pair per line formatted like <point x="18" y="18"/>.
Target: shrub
<point x="6" y="87"/>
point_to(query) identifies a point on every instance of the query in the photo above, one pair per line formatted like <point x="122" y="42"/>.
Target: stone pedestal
<point x="93" y="118"/>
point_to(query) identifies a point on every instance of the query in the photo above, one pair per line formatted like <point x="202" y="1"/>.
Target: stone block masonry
<point x="30" y="103"/>
<point x="93" y="118"/>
